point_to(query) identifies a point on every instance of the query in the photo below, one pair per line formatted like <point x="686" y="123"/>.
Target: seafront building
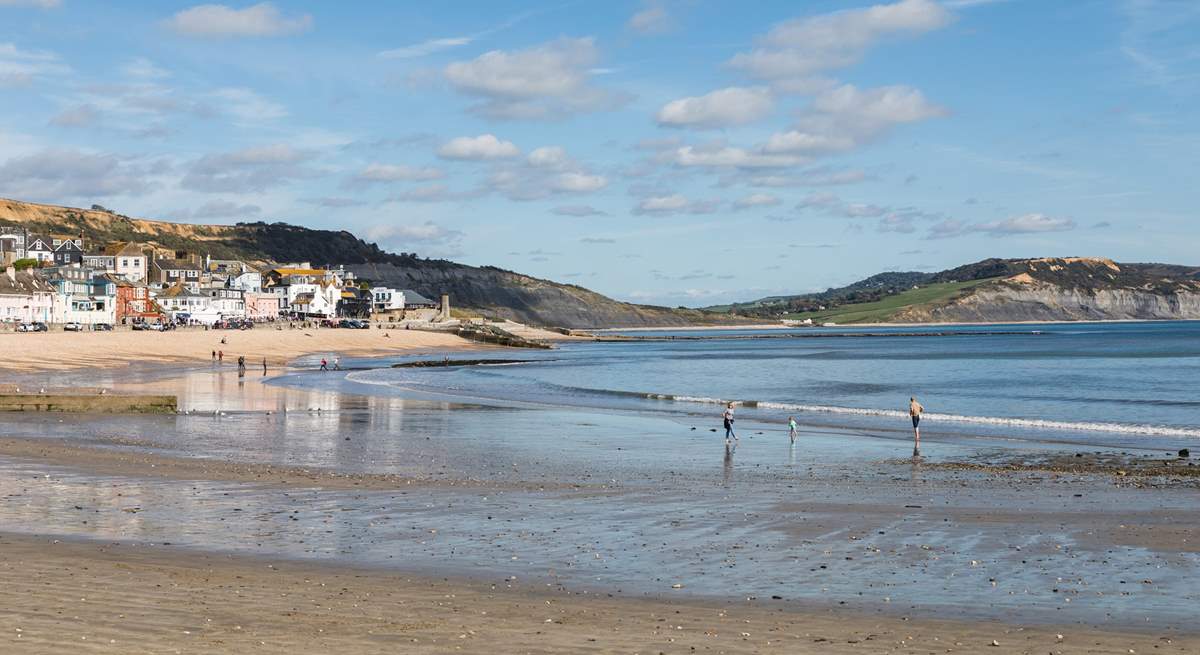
<point x="64" y="281"/>
<point x="25" y="297"/>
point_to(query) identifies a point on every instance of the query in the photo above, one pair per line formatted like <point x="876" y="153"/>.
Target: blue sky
<point x="682" y="152"/>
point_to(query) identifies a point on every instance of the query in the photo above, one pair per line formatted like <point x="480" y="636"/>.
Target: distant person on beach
<point x="792" y="428"/>
<point x="220" y="356"/>
<point x="264" y="365"/>
<point x="728" y="417"/>
<point x="337" y="363"/>
<point x="214" y="356"/>
<point x="241" y="366"/>
<point x="914" y="412"/>
<point x="324" y="364"/>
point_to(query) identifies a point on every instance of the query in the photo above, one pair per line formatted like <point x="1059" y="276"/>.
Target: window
<point x="124" y="262"/>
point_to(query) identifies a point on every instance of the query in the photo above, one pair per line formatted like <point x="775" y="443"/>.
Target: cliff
<point x="1071" y="289"/>
<point x="491" y="291"/>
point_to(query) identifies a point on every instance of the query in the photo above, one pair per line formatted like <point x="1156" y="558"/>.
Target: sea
<point x="1111" y="384"/>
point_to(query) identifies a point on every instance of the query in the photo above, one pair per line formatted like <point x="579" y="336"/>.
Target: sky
<point x="676" y="152"/>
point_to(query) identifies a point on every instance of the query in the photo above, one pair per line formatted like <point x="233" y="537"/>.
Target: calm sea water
<point x="1112" y="384"/>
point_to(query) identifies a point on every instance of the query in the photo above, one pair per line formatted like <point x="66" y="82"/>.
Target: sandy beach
<point x="311" y="512"/>
<point x="76" y="350"/>
<point x="58" y="596"/>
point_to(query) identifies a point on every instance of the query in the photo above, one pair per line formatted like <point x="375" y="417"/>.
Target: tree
<point x="22" y="264"/>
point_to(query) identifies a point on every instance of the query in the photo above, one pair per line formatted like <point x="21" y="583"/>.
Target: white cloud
<point x="224" y="209"/>
<point x="1025" y="224"/>
<point x="654" y="19"/>
<point x="803" y="47"/>
<point x="675" y="203"/>
<point x="820" y="176"/>
<point x="578" y="211"/>
<point x="247" y="106"/>
<point x="222" y="21"/>
<point x="545" y="82"/>
<point x="143" y="68"/>
<point x="53" y="175"/>
<point x="333" y="202"/>
<point x="721" y="108"/>
<point x="755" y="200"/>
<point x="578" y="182"/>
<point x="731" y="157"/>
<point x="426" y="48"/>
<point x="19" y="67"/>
<point x="479" y="148"/>
<point x="40" y="4"/>
<point x="250" y="169"/>
<point x="549" y="157"/>
<point x="398" y="173"/>
<point x="399" y="236"/>
<point x="846" y="117"/>
<point x="81" y="116"/>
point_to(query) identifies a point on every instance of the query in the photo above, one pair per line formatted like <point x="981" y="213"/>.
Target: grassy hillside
<point x="881" y="311"/>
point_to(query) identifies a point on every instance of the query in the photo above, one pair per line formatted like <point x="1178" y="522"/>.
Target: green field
<point x="881" y="310"/>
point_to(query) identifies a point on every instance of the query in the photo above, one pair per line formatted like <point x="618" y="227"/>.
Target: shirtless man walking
<point x="914" y="412"/>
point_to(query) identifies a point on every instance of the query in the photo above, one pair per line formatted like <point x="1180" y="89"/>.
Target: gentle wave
<point x="1032" y="423"/>
<point x="1027" y="423"/>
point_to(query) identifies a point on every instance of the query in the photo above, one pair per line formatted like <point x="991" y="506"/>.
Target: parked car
<point x="157" y="327"/>
<point x="36" y="326"/>
<point x="102" y="327"/>
<point x="72" y="326"/>
<point x="138" y="326"/>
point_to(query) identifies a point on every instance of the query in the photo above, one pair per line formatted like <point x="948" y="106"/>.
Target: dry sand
<point x="63" y="597"/>
<point x="70" y="350"/>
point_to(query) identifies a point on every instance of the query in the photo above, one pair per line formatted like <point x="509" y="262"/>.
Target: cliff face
<point x="504" y="294"/>
<point x="1072" y="289"/>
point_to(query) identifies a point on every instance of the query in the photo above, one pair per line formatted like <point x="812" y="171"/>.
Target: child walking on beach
<point x="914" y="412"/>
<point x="792" y="428"/>
<point x="728" y="416"/>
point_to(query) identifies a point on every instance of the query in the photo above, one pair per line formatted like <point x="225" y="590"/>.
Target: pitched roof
<point x="303" y="299"/>
<point x="298" y="271"/>
<point x="178" y="291"/>
<point x="128" y="249"/>
<point x="23" y="283"/>
<point x="413" y="298"/>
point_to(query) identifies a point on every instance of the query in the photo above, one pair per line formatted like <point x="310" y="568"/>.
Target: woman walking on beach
<point x="914" y="412"/>
<point x="792" y="428"/>
<point x="728" y="417"/>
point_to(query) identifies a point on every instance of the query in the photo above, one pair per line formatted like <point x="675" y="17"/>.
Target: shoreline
<point x="815" y="326"/>
<point x="89" y="596"/>
<point x="87" y="352"/>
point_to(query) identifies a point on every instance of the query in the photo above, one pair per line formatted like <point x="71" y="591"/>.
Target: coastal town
<point x="66" y="282"/>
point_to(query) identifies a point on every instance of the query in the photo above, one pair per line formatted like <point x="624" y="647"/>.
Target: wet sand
<point x="65" y="597"/>
<point x="409" y="526"/>
<point x="76" y="350"/>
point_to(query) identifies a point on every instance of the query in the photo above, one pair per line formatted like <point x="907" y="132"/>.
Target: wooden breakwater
<point x="88" y="403"/>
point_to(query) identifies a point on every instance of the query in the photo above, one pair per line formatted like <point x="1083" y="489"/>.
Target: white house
<point x="129" y="261"/>
<point x="384" y="299"/>
<point x="228" y="303"/>
<point x="25" y="297"/>
<point x="179" y="299"/>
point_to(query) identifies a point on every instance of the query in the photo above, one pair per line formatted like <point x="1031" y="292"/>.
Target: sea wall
<point x="99" y="403"/>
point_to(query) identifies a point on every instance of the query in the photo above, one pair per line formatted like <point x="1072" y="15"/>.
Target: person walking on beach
<point x="241" y="366"/>
<point x="337" y="363"/>
<point x="914" y="412"/>
<point x="728" y="417"/>
<point x="220" y="356"/>
<point x="214" y="357"/>
<point x="264" y="366"/>
<point x="792" y="428"/>
<point x="324" y="364"/>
